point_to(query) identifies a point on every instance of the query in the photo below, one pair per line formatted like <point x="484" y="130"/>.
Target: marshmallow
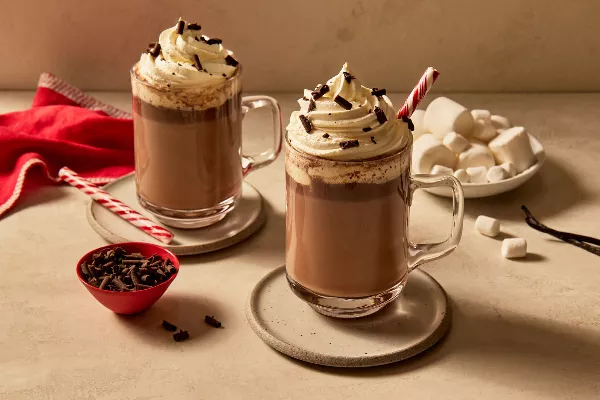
<point x="455" y="142"/>
<point x="477" y="155"/>
<point x="444" y="115"/>
<point x="462" y="176"/>
<point x="514" y="248"/>
<point x="429" y="151"/>
<point x="484" y="115"/>
<point x="513" y="145"/>
<point x="417" y="120"/>
<point x="487" y="226"/>
<point x="510" y="169"/>
<point x="500" y="122"/>
<point x="496" y="174"/>
<point x="441" y="170"/>
<point x="477" y="174"/>
<point x="483" y="130"/>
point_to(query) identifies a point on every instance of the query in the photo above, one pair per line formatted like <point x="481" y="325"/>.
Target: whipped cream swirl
<point x="174" y="67"/>
<point x="335" y="128"/>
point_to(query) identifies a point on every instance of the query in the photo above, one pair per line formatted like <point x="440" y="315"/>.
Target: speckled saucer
<point x="406" y="327"/>
<point x="241" y="223"/>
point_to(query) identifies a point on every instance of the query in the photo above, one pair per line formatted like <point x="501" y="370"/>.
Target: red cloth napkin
<point x="64" y="127"/>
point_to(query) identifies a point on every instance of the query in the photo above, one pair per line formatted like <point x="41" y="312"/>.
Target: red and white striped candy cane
<point x="114" y="205"/>
<point x="418" y="93"/>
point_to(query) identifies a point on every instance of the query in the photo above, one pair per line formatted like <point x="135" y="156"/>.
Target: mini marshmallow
<point x="483" y="115"/>
<point x="500" y="122"/>
<point x="444" y="115"/>
<point x="496" y="174"/>
<point x="513" y="145"/>
<point x="510" y="169"/>
<point x="483" y="130"/>
<point x="477" y="155"/>
<point x="477" y="174"/>
<point x="487" y="226"/>
<point x="417" y="120"/>
<point x="455" y="142"/>
<point x="441" y="170"/>
<point x="462" y="176"/>
<point x="429" y="151"/>
<point x="514" y="248"/>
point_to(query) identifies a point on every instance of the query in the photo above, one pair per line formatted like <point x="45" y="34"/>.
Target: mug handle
<point x="420" y="253"/>
<point x="254" y="162"/>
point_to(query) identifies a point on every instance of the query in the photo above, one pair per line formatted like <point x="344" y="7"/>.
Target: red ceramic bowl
<point x="130" y="302"/>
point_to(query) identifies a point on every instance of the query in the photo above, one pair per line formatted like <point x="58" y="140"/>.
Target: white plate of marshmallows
<point x="483" y="151"/>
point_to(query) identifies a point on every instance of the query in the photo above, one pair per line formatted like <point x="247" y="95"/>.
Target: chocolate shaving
<point x="168" y="326"/>
<point x="306" y="123"/>
<point x="194" y="27"/>
<point x="224" y="75"/>
<point x="326" y="135"/>
<point x="105" y="281"/>
<point x="210" y="320"/>
<point x="180" y="26"/>
<point x="214" y="41"/>
<point x="181" y="336"/>
<point x="378" y="92"/>
<point x="319" y="91"/>
<point x="367" y="129"/>
<point x="311" y="105"/>
<point x="348" y="77"/>
<point x="120" y="284"/>
<point x="380" y="115"/>
<point x="346" y="144"/>
<point x="342" y="102"/>
<point x="231" y="61"/>
<point x="155" y="50"/>
<point x="373" y="140"/>
<point x="151" y="45"/>
<point x="411" y="126"/>
<point x="196" y="37"/>
<point x="197" y="63"/>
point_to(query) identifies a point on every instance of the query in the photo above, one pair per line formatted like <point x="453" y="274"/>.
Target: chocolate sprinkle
<point x="346" y="144"/>
<point x="380" y="115"/>
<point x="155" y="50"/>
<point x="224" y="75"/>
<point x="306" y="123"/>
<point x="342" y="102"/>
<point x="378" y="92"/>
<point x="367" y="129"/>
<point x="181" y="336"/>
<point x="348" y="76"/>
<point x="168" y="326"/>
<point x="194" y="27"/>
<point x="326" y="135"/>
<point x="311" y="105"/>
<point x="411" y="126"/>
<point x="214" y="41"/>
<point x="197" y="63"/>
<point x="210" y="320"/>
<point x="231" y="61"/>
<point x="373" y="139"/>
<point x="180" y="26"/>
<point x="319" y="91"/>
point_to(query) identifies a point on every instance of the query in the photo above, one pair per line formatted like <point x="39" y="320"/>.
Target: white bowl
<point x="476" y="190"/>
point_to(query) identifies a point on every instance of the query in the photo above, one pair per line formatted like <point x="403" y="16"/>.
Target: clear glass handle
<point x="421" y="253"/>
<point x="253" y="162"/>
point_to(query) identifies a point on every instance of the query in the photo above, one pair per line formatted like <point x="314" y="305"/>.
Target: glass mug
<point x="347" y="248"/>
<point x="189" y="164"/>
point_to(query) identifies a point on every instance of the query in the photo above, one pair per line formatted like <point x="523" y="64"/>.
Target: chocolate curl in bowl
<point x="419" y="92"/>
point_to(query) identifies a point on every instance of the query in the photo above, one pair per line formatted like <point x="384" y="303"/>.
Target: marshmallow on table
<point x="483" y="130"/>
<point x="477" y="155"/>
<point x="496" y="174"/>
<point x="484" y="115"/>
<point x="455" y="142"/>
<point x="487" y="226"/>
<point x="417" y="120"/>
<point x="500" y="122"/>
<point x="441" y="170"/>
<point x="444" y="115"/>
<point x="514" y="248"/>
<point x="510" y="169"/>
<point x="462" y="175"/>
<point x="429" y="151"/>
<point x="513" y="145"/>
<point x="477" y="174"/>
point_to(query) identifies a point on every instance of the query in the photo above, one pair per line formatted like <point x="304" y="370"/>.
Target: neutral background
<point x="479" y="45"/>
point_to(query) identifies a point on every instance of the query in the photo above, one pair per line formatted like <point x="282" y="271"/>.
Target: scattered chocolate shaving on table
<point x="311" y="105"/>
<point x="348" y="77"/>
<point x="342" y="102"/>
<point x="411" y="126"/>
<point x="346" y="144"/>
<point x="117" y="271"/>
<point x="319" y="91"/>
<point x="197" y="63"/>
<point x="231" y="61"/>
<point x="210" y="320"/>
<point x="380" y="115"/>
<point x="575" y="239"/>
<point x="306" y="123"/>
<point x="194" y="27"/>
<point x="373" y="139"/>
<point x="378" y="92"/>
<point x="367" y="129"/>
<point x="168" y="326"/>
<point x="214" y="41"/>
<point x="155" y="50"/>
<point x="326" y="135"/>
<point x="180" y="26"/>
<point x="181" y="336"/>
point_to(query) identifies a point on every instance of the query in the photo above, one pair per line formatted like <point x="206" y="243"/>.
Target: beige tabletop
<point x="526" y="329"/>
